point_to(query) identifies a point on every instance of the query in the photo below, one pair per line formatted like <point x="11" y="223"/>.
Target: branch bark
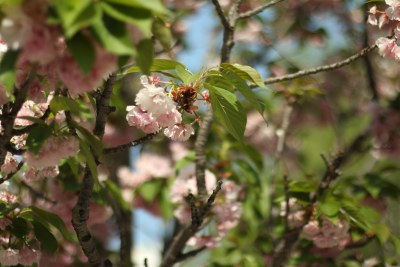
<point x="323" y="68"/>
<point x="258" y="9"/>
<point x="81" y="212"/>
<point x="9" y="114"/>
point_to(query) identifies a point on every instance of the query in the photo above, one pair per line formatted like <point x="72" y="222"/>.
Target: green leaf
<point x="153" y="5"/>
<point x="7" y="69"/>
<point x="90" y="160"/>
<point x="140" y="17"/>
<point x="88" y="138"/>
<point x="150" y="190"/>
<point x="19" y="227"/>
<point x="83" y="51"/>
<point x="244" y="89"/>
<point x="47" y="240"/>
<point x="245" y="72"/>
<point x="52" y="219"/>
<point x="115" y="191"/>
<point x="184" y="75"/>
<point x="166" y="207"/>
<point x="382" y="232"/>
<point x="111" y="42"/>
<point x="228" y="111"/>
<point x="145" y="55"/>
<point x="59" y="103"/>
<point x="162" y="33"/>
<point x="76" y="14"/>
<point x="37" y="136"/>
<point x="157" y="65"/>
<point x="330" y="207"/>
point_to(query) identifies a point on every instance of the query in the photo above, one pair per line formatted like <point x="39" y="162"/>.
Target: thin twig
<point x="130" y="144"/>
<point x="37" y="193"/>
<point x="178" y="243"/>
<point x="258" y="9"/>
<point x="323" y="68"/>
<point x="284" y="249"/>
<point x="190" y="254"/>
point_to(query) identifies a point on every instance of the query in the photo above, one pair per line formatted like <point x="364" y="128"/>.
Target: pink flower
<point x="185" y="183"/>
<point x="394" y="9"/>
<point x="39" y="44"/>
<point x="129" y="179"/>
<point x="154" y="165"/>
<point x="4" y="222"/>
<point x="7" y="197"/>
<point x="28" y="256"/>
<point x="154" y="100"/>
<point x="169" y="119"/>
<point x="141" y="119"/>
<point x="179" y="132"/>
<point x="311" y="229"/>
<point x="10" y="164"/>
<point x="76" y="81"/>
<point x="388" y="48"/>
<point x="53" y="151"/>
<point x="9" y="257"/>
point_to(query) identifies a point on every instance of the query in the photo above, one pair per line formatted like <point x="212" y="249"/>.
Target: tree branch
<point x="311" y="71"/>
<point x="81" y="212"/>
<point x="10" y="175"/>
<point x="173" y="254"/>
<point x="258" y="9"/>
<point x="291" y="237"/>
<point x="9" y="115"/>
<point x="130" y="144"/>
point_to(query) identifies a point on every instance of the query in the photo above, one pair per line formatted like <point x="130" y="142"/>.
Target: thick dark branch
<point x="80" y="212"/>
<point x="190" y="254"/>
<point x="130" y="144"/>
<point x="258" y="9"/>
<point x="328" y="67"/>
<point x="9" y="115"/>
<point x="221" y="15"/>
<point x="173" y="254"/>
<point x="201" y="158"/>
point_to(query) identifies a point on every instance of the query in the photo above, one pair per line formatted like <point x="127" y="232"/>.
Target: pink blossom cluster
<point x="327" y="234"/>
<point x="155" y="110"/>
<point x="388" y="47"/>
<point x="296" y="213"/>
<point x="10" y="164"/>
<point x="385" y="129"/>
<point x="55" y="149"/>
<point x="24" y="256"/>
<point x="227" y="209"/>
<point x="25" y="27"/>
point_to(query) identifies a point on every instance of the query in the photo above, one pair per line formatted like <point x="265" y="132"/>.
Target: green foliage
<point x="145" y="55"/>
<point x="116" y="194"/>
<point x="7" y="69"/>
<point x="228" y="111"/>
<point x="83" y="51"/>
<point x="245" y="72"/>
<point x="37" y="136"/>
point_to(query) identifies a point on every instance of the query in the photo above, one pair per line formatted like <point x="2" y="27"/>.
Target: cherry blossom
<point x="28" y="256"/>
<point x="328" y="234"/>
<point x="53" y="151"/>
<point x="9" y="257"/>
<point x="141" y="119"/>
<point x="154" y="100"/>
<point x="10" y="164"/>
<point x="179" y="132"/>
